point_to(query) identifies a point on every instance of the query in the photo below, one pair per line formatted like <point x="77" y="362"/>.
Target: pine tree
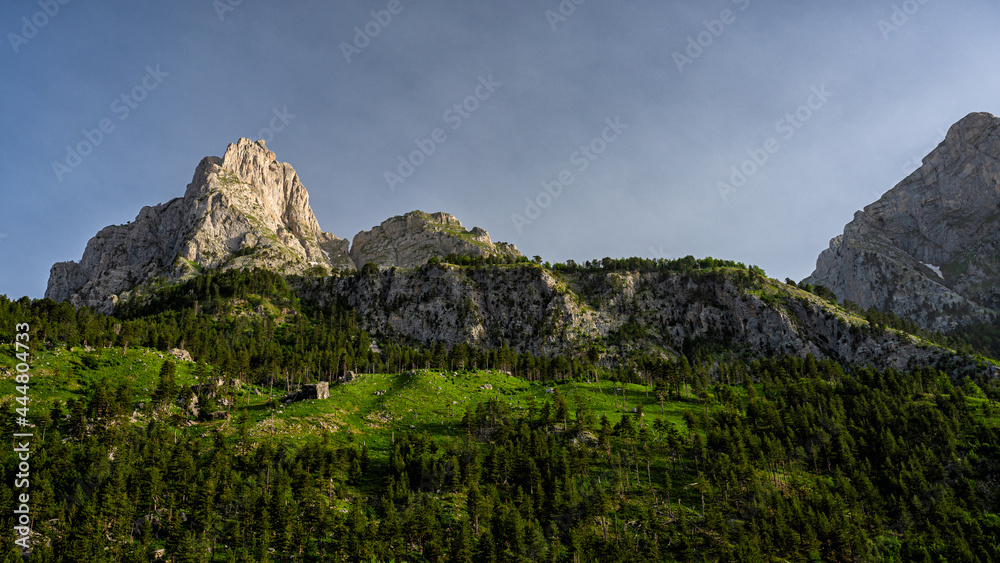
<point x="486" y="550"/>
<point x="166" y="390"/>
<point x="390" y="532"/>
<point x="474" y="505"/>
<point x="461" y="543"/>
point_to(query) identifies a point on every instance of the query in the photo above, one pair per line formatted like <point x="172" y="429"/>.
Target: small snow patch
<point x="935" y="269"/>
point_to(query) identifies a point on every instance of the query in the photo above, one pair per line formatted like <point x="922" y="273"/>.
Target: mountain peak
<point x="409" y="240"/>
<point x="246" y="209"/>
<point x="972" y="127"/>
<point x="929" y="248"/>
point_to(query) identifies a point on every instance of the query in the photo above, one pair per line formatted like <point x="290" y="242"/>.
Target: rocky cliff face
<point x="929" y="249"/>
<point x="534" y="310"/>
<point x="247" y="209"/>
<point x="409" y="240"/>
<point x="244" y="209"/>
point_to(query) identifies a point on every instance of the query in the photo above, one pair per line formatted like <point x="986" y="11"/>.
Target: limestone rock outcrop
<point x="409" y="240"/>
<point x="531" y="309"/>
<point x="929" y="249"/>
<point x="244" y="209"/>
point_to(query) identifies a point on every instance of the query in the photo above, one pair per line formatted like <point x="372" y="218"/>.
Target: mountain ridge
<point x="246" y="209"/>
<point x="929" y="249"/>
<point x="661" y="310"/>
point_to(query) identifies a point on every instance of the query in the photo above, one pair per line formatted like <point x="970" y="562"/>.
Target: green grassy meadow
<point x="371" y="408"/>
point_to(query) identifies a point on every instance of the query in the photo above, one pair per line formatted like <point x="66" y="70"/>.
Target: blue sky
<point x="641" y="108"/>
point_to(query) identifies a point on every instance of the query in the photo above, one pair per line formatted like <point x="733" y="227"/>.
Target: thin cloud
<point x="653" y="192"/>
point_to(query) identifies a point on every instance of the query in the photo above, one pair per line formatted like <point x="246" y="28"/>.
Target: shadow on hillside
<point x="634" y="397"/>
<point x="396" y="383"/>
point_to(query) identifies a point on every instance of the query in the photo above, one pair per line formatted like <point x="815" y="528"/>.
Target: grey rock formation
<point x="408" y="241"/>
<point x="181" y="355"/>
<point x="530" y="309"/>
<point x="929" y="249"/>
<point x="244" y="209"/>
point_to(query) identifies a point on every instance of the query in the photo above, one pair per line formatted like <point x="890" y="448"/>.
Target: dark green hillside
<point x="633" y="448"/>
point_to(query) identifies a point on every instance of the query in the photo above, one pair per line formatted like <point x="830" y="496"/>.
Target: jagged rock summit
<point x="239" y="210"/>
<point x="246" y="209"/>
<point x="409" y="240"/>
<point x="929" y="248"/>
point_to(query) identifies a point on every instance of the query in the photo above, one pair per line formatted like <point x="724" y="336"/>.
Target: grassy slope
<point x="421" y="400"/>
<point x="60" y="374"/>
<point x="429" y="401"/>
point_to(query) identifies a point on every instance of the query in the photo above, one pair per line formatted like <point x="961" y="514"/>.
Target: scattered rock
<point x="181" y="355"/>
<point x="153" y="518"/>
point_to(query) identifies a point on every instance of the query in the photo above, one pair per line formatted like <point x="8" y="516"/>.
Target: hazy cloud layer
<point x="578" y="129"/>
